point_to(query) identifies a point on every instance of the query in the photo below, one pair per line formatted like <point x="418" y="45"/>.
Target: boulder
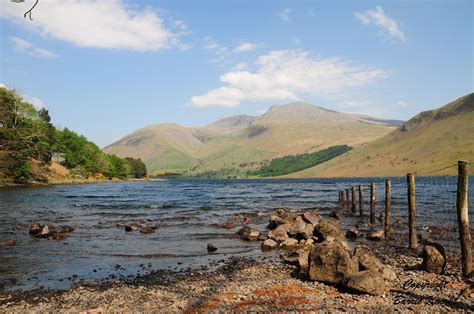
<point x="367" y="260"/>
<point x="376" y="235"/>
<point x="434" y="258"/>
<point x="367" y="281"/>
<point x="269" y="244"/>
<point x="8" y="243"/>
<point x="228" y="225"/>
<point x="331" y="262"/>
<point x="299" y="229"/>
<point x="279" y="216"/>
<point x="353" y="233"/>
<point x="298" y="258"/>
<point x="327" y="228"/>
<point x="35" y="229"/>
<point x="132" y="227"/>
<point x="335" y="214"/>
<point x="279" y="234"/>
<point x="312" y="216"/>
<point x="289" y="244"/>
<point x="211" y="248"/>
<point x="388" y="274"/>
<point x="249" y="234"/>
<point x="147" y="230"/>
<point x="247" y="221"/>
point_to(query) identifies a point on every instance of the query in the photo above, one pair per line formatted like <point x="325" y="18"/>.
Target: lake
<point x="188" y="214"/>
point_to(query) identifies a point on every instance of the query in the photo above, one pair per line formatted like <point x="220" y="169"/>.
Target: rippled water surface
<point x="188" y="215"/>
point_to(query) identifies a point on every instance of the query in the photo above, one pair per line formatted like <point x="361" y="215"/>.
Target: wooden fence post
<point x="343" y="201"/>
<point x="361" y="200"/>
<point x="347" y="197"/>
<point x="463" y="217"/>
<point x="372" y="203"/>
<point x="353" y="207"/>
<point x="388" y="197"/>
<point x="413" y="242"/>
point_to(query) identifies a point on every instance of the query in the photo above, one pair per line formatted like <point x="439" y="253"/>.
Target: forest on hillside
<point x="29" y="140"/>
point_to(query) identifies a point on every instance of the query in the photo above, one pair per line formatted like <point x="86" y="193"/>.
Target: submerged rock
<point x="249" y="234"/>
<point x="132" y="227"/>
<point x="434" y="258"/>
<point x="367" y="281"/>
<point x="47" y="230"/>
<point x="147" y="230"/>
<point x="211" y="248"/>
<point x="331" y="262"/>
<point x="8" y="243"/>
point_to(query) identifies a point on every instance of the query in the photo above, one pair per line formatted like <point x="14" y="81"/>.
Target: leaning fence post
<point x="463" y="217"/>
<point x="372" y="203"/>
<point x="361" y="200"/>
<point x="353" y="207"/>
<point x="388" y="196"/>
<point x="347" y="197"/>
<point x="413" y="245"/>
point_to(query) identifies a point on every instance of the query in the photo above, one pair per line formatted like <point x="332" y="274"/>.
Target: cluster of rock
<point x="49" y="231"/>
<point x="141" y="226"/>
<point x="320" y="249"/>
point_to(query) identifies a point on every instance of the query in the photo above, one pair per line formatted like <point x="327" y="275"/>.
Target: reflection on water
<point x="188" y="215"/>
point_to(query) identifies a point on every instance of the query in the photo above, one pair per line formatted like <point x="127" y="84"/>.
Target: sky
<point x="104" y="68"/>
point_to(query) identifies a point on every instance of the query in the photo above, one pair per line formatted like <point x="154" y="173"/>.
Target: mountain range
<point x="234" y="145"/>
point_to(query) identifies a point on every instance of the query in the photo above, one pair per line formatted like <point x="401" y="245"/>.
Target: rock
<point x="299" y="229"/>
<point x="298" y="258"/>
<point x="211" y="248"/>
<point x="312" y="216"/>
<point x="367" y="260"/>
<point x="376" y="235"/>
<point x="289" y="244"/>
<point x="291" y="258"/>
<point x="64" y="229"/>
<point x="353" y="233"/>
<point x="331" y="262"/>
<point x="132" y="227"/>
<point x="47" y="230"/>
<point x="279" y="216"/>
<point x="279" y="234"/>
<point x="367" y="281"/>
<point x="388" y="274"/>
<point x="228" y="225"/>
<point x="269" y="244"/>
<point x="249" y="234"/>
<point x="326" y="228"/>
<point x="335" y="214"/>
<point x="434" y="258"/>
<point x="58" y="236"/>
<point x="147" y="230"/>
<point x="8" y="243"/>
<point x="35" y="229"/>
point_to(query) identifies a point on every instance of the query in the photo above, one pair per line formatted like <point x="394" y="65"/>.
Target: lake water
<point x="188" y="215"/>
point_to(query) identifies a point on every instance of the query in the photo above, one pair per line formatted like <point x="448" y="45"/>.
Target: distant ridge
<point x="240" y="143"/>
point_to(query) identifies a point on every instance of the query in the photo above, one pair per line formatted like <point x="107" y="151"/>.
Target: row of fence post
<point x="462" y="211"/>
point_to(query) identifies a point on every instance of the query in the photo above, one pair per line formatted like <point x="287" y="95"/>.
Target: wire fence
<point x="436" y="210"/>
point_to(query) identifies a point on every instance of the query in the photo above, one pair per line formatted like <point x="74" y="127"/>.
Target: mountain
<point x="236" y="144"/>
<point x="429" y="141"/>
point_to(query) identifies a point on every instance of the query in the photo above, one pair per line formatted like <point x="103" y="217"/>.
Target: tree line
<point x="28" y="137"/>
<point x="290" y="164"/>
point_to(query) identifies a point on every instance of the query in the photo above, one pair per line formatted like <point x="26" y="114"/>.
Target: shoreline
<point x="73" y="182"/>
<point x="242" y="284"/>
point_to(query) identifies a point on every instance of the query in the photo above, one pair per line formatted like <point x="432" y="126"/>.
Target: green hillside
<point x="429" y="141"/>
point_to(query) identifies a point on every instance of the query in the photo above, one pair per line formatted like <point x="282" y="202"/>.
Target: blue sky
<point x="105" y="68"/>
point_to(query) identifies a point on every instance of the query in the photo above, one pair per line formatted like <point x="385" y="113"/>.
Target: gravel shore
<point x="241" y="284"/>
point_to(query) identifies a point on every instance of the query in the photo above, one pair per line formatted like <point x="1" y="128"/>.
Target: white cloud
<point x="240" y="66"/>
<point x="24" y="46"/>
<point x="98" y="24"/>
<point x="283" y="75"/>
<point x="379" y="18"/>
<point x="285" y="15"/>
<point x="247" y="46"/>
<point x="402" y="103"/>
